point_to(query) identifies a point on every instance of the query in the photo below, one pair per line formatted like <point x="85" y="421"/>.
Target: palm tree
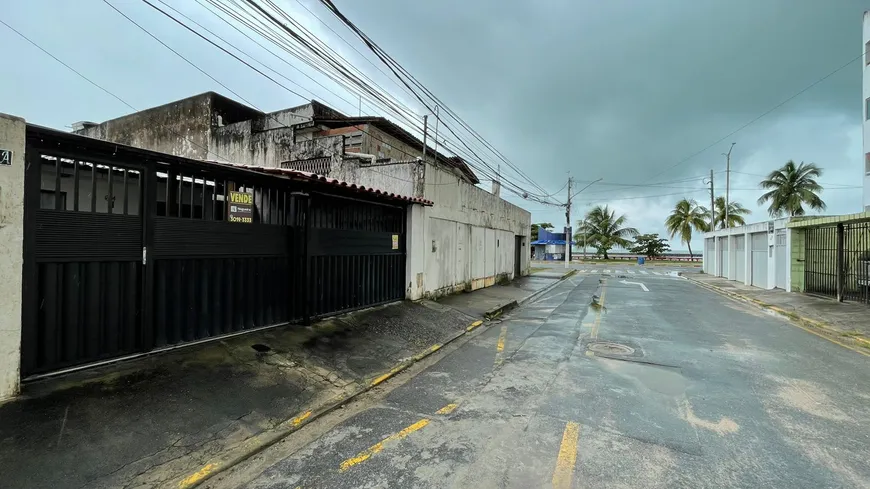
<point x="790" y="187"/>
<point x="686" y="217"/>
<point x="735" y="214"/>
<point x="604" y="230"/>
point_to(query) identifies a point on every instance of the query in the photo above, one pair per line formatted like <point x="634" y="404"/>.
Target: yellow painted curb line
<point x="804" y="323"/>
<point x="473" y="326"/>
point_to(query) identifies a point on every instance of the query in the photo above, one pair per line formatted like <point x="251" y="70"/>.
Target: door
<point x="758" y="242"/>
<point x="518" y="255"/>
<point x="740" y="258"/>
<point x="710" y="256"/>
<point x="781" y="260"/>
<point x="83" y="260"/>
<point x="724" y="259"/>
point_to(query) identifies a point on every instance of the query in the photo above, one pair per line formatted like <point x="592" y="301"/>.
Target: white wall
<point x="727" y="269"/>
<point x="865" y="91"/>
<point x="12" y="130"/>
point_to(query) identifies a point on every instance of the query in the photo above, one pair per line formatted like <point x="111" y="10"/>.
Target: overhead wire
<point x="394" y="66"/>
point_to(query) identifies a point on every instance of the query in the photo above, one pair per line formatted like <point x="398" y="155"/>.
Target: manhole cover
<point x="610" y="348"/>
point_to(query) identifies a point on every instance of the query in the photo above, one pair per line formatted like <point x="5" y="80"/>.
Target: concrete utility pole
<point x="436" y="131"/>
<point x="712" y="204"/>
<point x="568" y="227"/>
<point x="727" y="181"/>
<point x="425" y="128"/>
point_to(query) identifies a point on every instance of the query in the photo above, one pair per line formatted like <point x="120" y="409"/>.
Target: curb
<point x="266" y="439"/>
<point x="813" y="326"/>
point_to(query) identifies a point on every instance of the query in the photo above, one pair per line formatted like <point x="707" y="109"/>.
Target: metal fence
<point x="127" y="254"/>
<point x="820" y="270"/>
<point x="838" y="261"/>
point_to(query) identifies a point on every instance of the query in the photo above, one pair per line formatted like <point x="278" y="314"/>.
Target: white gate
<point x="723" y="257"/>
<point x="740" y="258"/>
<point x="758" y="243"/>
<point x="781" y="260"/>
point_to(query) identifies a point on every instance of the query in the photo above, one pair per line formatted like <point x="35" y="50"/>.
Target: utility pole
<point x="425" y="127"/>
<point x="436" y="131"/>
<point x="712" y="204"/>
<point x="727" y="181"/>
<point x="568" y="227"/>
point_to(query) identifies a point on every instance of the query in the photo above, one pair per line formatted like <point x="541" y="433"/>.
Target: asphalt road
<point x="673" y="386"/>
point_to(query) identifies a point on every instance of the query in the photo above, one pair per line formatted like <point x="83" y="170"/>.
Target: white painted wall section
<point x="12" y="136"/>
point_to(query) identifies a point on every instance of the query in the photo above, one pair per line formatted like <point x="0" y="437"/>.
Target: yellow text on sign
<point x="241" y="198"/>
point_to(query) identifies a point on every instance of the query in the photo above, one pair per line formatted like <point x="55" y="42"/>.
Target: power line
<point x="393" y="66"/>
<point x="102" y="88"/>
<point x="760" y="116"/>
<point x="643" y="196"/>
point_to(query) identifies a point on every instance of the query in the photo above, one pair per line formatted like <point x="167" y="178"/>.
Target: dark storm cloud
<point x="620" y="90"/>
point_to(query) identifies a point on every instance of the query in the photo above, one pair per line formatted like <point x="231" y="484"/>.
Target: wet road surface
<point x="606" y="382"/>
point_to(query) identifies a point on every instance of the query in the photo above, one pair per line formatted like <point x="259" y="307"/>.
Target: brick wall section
<point x="798" y="257"/>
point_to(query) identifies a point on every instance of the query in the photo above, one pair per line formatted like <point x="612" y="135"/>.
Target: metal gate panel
<point x="856" y="262"/>
<point x="710" y="256"/>
<point x="83" y="261"/>
<point x="758" y="266"/>
<point x="724" y="259"/>
<point x="740" y="258"/>
<point x="820" y="275"/>
<point x="356" y="254"/>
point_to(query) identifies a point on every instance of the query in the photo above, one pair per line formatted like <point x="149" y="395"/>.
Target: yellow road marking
<point x="447" y="409"/>
<point x="378" y="447"/>
<point x="499" y="347"/>
<point x="564" y="473"/>
<point x="301" y="418"/>
<point x="387" y="375"/>
<point x="501" y="337"/>
<point x="597" y="324"/>
<point x="473" y="325"/>
<point x="197" y="476"/>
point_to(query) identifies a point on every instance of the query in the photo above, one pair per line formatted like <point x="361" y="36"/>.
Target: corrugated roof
<point x="308" y="176"/>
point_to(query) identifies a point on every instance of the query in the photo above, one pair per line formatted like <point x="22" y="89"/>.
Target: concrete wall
<point x="722" y="241"/>
<point x="470" y="235"/>
<point x="180" y="128"/>
<point x="240" y="143"/>
<point x="12" y="136"/>
<point x="403" y="179"/>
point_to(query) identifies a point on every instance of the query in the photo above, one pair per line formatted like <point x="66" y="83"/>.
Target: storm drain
<point x="610" y="348"/>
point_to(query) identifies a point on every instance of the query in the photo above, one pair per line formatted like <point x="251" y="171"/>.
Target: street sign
<point x="240" y="207"/>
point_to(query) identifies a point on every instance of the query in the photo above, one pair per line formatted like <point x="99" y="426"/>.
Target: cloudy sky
<point x="622" y="90"/>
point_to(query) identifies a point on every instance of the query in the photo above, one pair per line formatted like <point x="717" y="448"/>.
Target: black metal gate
<point x="126" y="252"/>
<point x="820" y="271"/>
<point x="856" y="262"/>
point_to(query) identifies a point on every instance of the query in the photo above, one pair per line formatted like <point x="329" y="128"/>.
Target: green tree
<point x="735" y="213"/>
<point x="650" y="245"/>
<point x="687" y="217"/>
<point x="604" y="230"/>
<point x="790" y="187"/>
<point x="537" y="227"/>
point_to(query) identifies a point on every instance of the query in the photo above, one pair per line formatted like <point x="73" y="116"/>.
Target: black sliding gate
<point x="838" y="261"/>
<point x="126" y="253"/>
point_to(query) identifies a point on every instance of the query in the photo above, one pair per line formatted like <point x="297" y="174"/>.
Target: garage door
<point x="779" y="252"/>
<point x="759" y="260"/>
<point x="710" y="256"/>
<point x="740" y="258"/>
<point x="723" y="257"/>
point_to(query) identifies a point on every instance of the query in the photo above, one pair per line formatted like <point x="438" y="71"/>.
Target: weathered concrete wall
<point x="180" y="128"/>
<point x="471" y="235"/>
<point x="403" y="179"/>
<point x="12" y="134"/>
<point x="240" y="143"/>
<point x="377" y="142"/>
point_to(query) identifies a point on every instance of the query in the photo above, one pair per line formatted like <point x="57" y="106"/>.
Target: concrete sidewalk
<point x="177" y="418"/>
<point x="844" y="322"/>
<point x="492" y="301"/>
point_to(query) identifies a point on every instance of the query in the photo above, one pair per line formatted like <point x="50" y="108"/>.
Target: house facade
<point x="469" y="239"/>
